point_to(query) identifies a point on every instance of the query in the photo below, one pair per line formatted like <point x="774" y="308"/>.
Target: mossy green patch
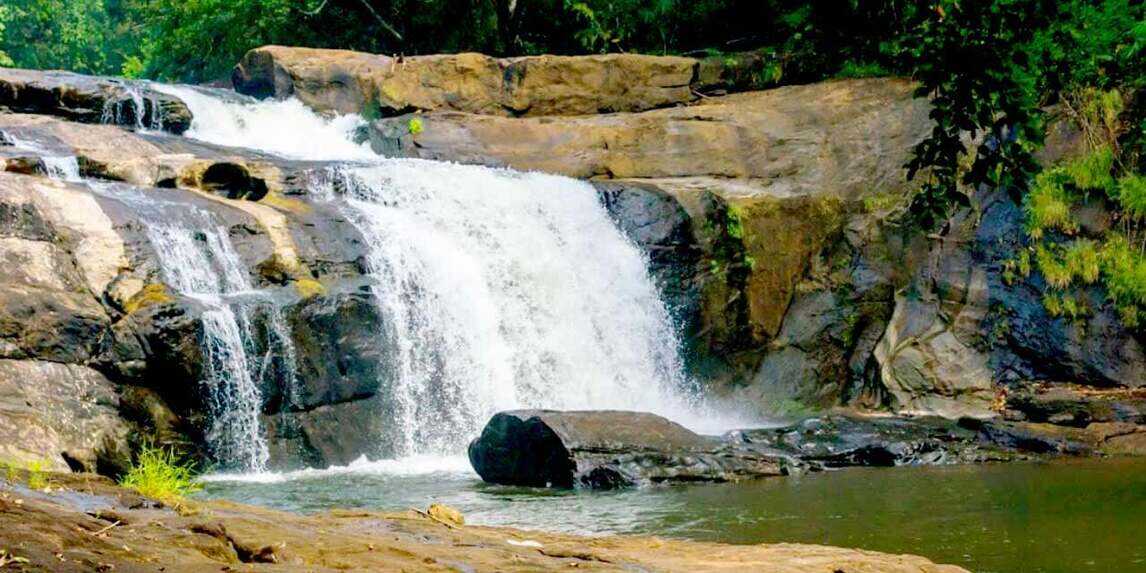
<point x="150" y="295"/>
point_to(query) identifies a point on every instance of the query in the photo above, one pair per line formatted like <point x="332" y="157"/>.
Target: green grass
<point x="1132" y="195"/>
<point x="1048" y="204"/>
<point x="1124" y="272"/>
<point x="35" y="472"/>
<point x="1093" y="171"/>
<point x="158" y="473"/>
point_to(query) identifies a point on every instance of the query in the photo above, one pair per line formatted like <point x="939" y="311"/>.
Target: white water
<point x="198" y="260"/>
<point x="499" y="289"/>
<point x="62" y="167"/>
<point x="286" y="128"/>
<point x="115" y="111"/>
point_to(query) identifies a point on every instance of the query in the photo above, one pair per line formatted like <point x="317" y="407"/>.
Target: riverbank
<point x="83" y="522"/>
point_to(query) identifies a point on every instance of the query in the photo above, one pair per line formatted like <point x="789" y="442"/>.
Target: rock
<point x="329" y="434"/>
<point x="446" y="514"/>
<point x="835" y="441"/>
<point x="91" y="99"/>
<point x="1037" y="438"/>
<point x="1077" y="406"/>
<point x="606" y="450"/>
<point x="63" y="415"/>
<point x="927" y="369"/>
<point x="791" y="140"/>
<point x="355" y="82"/>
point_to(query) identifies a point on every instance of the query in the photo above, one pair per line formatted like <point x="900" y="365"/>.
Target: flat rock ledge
<point x="83" y="522"/>
<point x="609" y="449"/>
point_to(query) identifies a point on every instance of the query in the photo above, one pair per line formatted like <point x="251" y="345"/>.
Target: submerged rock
<point x="606" y="449"/>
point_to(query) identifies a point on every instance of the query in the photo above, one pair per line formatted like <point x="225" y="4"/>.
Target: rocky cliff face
<point x="768" y="218"/>
<point x="773" y="222"/>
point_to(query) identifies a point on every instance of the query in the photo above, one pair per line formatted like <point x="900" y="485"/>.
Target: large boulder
<point x="608" y="449"/>
<point x="355" y="82"/>
<point x="91" y="99"/>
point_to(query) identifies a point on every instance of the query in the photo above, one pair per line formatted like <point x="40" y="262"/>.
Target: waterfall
<point x="198" y="260"/>
<point x="505" y="290"/>
<point x="498" y="289"/>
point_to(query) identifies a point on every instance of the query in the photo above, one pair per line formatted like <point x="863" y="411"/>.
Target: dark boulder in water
<point x="607" y="449"/>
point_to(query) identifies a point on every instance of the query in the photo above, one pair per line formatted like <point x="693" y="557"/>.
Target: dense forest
<point x="990" y="67"/>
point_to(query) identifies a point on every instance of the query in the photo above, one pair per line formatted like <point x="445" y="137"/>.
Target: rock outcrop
<point x="354" y="82"/>
<point x="608" y="449"/>
<point x="99" y="351"/>
<point x="91" y="100"/>
<point x="613" y="449"/>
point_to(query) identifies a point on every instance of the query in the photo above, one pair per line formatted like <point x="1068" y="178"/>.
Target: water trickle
<point x="198" y="260"/>
<point x="62" y="167"/>
<point x="136" y="109"/>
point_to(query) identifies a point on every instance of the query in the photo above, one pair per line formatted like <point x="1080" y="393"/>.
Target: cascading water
<point x="133" y="110"/>
<point x="198" y="260"/>
<point x="499" y="289"/>
<point x="62" y="167"/>
<point x="505" y="290"/>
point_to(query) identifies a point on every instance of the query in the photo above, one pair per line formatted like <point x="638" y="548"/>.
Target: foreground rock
<point x="91" y="99"/>
<point x="87" y="524"/>
<point x="607" y="449"/>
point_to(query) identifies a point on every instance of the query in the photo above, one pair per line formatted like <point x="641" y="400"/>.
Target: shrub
<point x="1124" y="269"/>
<point x="158" y="473"/>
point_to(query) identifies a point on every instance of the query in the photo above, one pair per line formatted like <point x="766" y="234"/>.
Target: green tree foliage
<point x="972" y="62"/>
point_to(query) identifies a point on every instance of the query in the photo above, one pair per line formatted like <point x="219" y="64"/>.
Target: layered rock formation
<point x="774" y="222"/>
<point x="91" y="100"/>
<point x="97" y="351"/>
<point x="770" y="219"/>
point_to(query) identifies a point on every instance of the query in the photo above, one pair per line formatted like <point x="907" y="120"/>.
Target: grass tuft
<point x="1048" y="204"/>
<point x="159" y="474"/>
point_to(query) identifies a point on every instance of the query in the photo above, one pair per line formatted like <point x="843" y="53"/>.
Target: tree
<point x="971" y="59"/>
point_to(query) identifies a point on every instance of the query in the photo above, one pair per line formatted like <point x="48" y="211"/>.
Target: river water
<point x="1060" y="517"/>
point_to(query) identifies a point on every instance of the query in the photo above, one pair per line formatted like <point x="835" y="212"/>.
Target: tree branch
<point x="386" y="25"/>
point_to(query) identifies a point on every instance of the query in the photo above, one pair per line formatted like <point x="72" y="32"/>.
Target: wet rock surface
<point x="608" y="449"/>
<point x="91" y="99"/>
<point x="611" y="449"/>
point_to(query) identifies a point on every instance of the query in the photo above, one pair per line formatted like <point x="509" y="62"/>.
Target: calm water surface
<point x="1063" y="517"/>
